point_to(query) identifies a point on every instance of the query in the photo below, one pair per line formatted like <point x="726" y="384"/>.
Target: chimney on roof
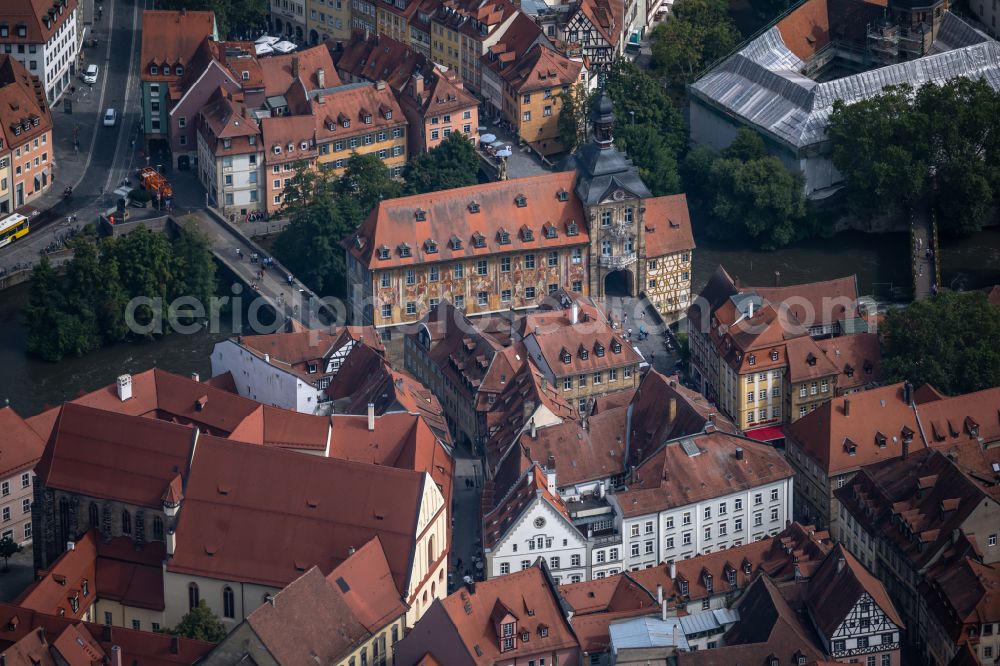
<point x="116" y="655"/>
<point x="840" y="563"/>
<point x="673" y="570"/>
<point x="739" y="453"/>
<point x="847" y="407"/>
<point x="351" y="550"/>
<point x="175" y="645"/>
<point x="750" y="311"/>
<point x="671" y="410"/>
<point x="470" y="584"/>
<point x="574" y="313"/>
<point x="321" y="77"/>
<point x="371" y="417"/>
<point x="380" y="85"/>
<point x="267" y="358"/>
<point x="417" y="84"/>
<point x="659" y="593"/>
<point x="70" y="545"/>
<point x="195" y="376"/>
<point x="663" y="614"/>
<point x="295" y="67"/>
<point x="534" y="432"/>
<point x="171" y="541"/>
<point x="908" y="393"/>
<point x="124" y="387"/>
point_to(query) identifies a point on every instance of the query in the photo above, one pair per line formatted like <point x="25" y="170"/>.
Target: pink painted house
<point x="20" y="449"/>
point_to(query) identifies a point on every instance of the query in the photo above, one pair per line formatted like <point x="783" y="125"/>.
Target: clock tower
<point x="614" y="198"/>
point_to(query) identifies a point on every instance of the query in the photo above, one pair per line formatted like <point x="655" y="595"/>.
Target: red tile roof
<point x="508" y="510"/>
<point x="857" y="358"/>
<point x="541" y="68"/>
<point x="372" y="595"/>
<point x="170" y="38"/>
<point x="380" y="57"/>
<point x="42" y="18"/>
<point x="279" y="71"/>
<point x="310" y="620"/>
<point x="111" y="456"/>
<point x="143" y="647"/>
<point x="528" y="595"/>
<point x="841" y="442"/>
<point x="606" y="595"/>
<point x="796" y="548"/>
<point x="294" y="351"/>
<point x="22" y="447"/>
<point x="964" y="595"/>
<point x="64" y="581"/>
<point x="670" y="477"/>
<point x="806" y="360"/>
<point x="129" y="576"/>
<point x="24" y="110"/>
<point x="448" y="214"/>
<point x="667" y="226"/>
<point x="355" y="101"/>
<point x="236" y="492"/>
<point x="578" y="451"/>
<point x="806" y="29"/>
<point x="838" y="585"/>
<point x="816" y="303"/>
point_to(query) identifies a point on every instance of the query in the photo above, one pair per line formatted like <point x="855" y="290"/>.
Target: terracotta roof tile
<point x="668" y="226"/>
<point x="24" y="110"/>
<point x="541" y="68"/>
<point x="816" y="303"/>
<point x="621" y="592"/>
<point x="836" y="588"/>
<point x="857" y="357"/>
<point x="22" y="447"/>
<point x="806" y="360"/>
<point x="65" y="581"/>
<point x="278" y="71"/>
<point x="508" y="510"/>
<point x="448" y="214"/>
<point x="171" y="38"/>
<point x="806" y="29"/>
<point x="964" y="595"/>
<point x="42" y="18"/>
<point x="671" y="477"/>
<point x="531" y="598"/>
<point x="298" y="500"/>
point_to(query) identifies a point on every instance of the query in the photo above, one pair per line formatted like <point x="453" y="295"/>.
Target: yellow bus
<point x="13" y="227"/>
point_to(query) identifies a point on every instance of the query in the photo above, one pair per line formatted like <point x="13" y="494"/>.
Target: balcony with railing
<point x="617" y="261"/>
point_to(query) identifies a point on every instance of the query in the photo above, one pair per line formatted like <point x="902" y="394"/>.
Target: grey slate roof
<point x="603" y="170"/>
<point x="761" y="83"/>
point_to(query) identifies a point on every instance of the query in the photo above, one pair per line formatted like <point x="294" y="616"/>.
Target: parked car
<point x="110" y="118"/>
<point x="90" y="76"/>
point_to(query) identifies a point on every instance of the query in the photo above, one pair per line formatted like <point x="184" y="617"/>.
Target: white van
<point x="90" y="76"/>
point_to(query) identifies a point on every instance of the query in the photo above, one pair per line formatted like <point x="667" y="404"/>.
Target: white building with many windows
<point x="46" y="37"/>
<point x="695" y="495"/>
<point x="230" y="155"/>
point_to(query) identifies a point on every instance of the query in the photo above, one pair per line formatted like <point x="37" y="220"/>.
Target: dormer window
<point x="584" y="354"/>
<point x="430" y="246"/>
<point x="811" y="359"/>
<point x="478" y="240"/>
<point x="346" y="123"/>
<point x="572" y="229"/>
<point x="731" y="577"/>
<point x="850" y="446"/>
<point x="178" y="70"/>
<point x="599" y="349"/>
<point x="708" y="582"/>
<point x="227" y="143"/>
<point x="684" y="587"/>
<point x="616" y="347"/>
<point x="420" y="214"/>
<point x="473" y="207"/>
<point x="291" y="147"/>
<point x="521" y="201"/>
<point x="456" y="243"/>
<point x="22" y="30"/>
<point x="154" y="70"/>
<point x="772" y="661"/>
<point x="404" y="250"/>
<point x="752" y="359"/>
<point x="774" y="354"/>
<point x="527" y="234"/>
<point x="388" y="114"/>
<point x="562" y="195"/>
<point x="543" y="631"/>
<point x="4" y="30"/>
<point x="747" y="568"/>
<point x="312" y="368"/>
<point x="277" y="150"/>
<point x="503" y="237"/>
<point x="304" y="145"/>
<point x="565" y="356"/>
<point x="368" y="120"/>
<point x="550" y="230"/>
<point x="245" y="75"/>
<point x="880" y="440"/>
<point x="383" y="252"/>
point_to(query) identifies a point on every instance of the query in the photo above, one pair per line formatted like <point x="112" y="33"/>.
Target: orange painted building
<point x="25" y="136"/>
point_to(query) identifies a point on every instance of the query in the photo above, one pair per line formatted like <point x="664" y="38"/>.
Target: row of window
<point x="25" y="482"/>
<point x="482" y="299"/>
<point x="814" y="388"/>
<point x="597" y="378"/>
<point x="762" y="394"/>
<point x="761" y="414"/>
<point x="25" y="508"/>
<point x="762" y="376"/>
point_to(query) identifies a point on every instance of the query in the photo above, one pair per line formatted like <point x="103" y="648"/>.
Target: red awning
<point x="766" y="434"/>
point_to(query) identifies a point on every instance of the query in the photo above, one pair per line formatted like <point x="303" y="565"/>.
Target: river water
<point x="880" y="263"/>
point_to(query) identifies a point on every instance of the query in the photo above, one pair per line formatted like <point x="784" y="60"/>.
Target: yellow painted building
<point x="328" y="20"/>
<point x="461" y="34"/>
<point x="360" y="118"/>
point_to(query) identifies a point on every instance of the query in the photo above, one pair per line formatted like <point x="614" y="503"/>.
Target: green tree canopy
<point x="940" y="143"/>
<point x="574" y="110"/>
<point x="697" y="33"/>
<point x="200" y="623"/>
<point x="948" y="341"/>
<point x="8" y="548"/>
<point x="744" y="193"/>
<point x="653" y="155"/>
<point x="367" y="180"/>
<point x="452" y="163"/>
<point x="639" y="99"/>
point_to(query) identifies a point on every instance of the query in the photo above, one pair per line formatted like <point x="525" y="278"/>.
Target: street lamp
<point x="632" y="113"/>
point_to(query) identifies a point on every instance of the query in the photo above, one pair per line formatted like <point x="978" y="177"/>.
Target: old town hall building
<point x="594" y="229"/>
